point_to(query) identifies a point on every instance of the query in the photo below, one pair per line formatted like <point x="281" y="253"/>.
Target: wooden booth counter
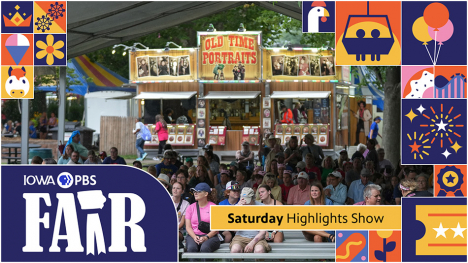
<point x="237" y="123"/>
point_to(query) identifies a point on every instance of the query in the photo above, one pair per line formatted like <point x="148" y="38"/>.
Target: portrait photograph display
<point x="143" y="66"/>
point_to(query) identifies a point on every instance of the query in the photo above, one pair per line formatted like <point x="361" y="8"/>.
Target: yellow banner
<point x="305" y="217"/>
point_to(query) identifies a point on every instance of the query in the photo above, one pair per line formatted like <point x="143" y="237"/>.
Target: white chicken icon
<point x="318" y="11"/>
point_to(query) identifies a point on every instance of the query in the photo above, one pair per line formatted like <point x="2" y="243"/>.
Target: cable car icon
<point x="374" y="46"/>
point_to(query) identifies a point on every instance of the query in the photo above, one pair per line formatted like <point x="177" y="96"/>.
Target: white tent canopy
<point x="165" y="95"/>
<point x="94" y="25"/>
<point x="232" y="95"/>
<point x="110" y="95"/>
<point x="300" y="95"/>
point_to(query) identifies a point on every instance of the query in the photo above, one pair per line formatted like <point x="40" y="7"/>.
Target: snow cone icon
<point x="65" y="180"/>
<point x="17" y="45"/>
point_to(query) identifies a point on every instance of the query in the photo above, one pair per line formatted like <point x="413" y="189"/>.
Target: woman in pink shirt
<point x="205" y="241"/>
<point x="161" y="130"/>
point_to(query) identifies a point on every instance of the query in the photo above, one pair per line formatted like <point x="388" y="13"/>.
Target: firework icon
<point x="435" y="128"/>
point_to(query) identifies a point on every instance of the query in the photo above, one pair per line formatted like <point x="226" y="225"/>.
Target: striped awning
<point x="102" y="77"/>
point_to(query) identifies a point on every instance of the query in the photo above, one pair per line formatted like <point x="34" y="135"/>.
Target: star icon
<point x="411" y="115"/>
<point x="414" y="147"/>
<point x="441" y="125"/>
<point x="421" y="109"/>
<point x="446" y="154"/>
<point x="440" y="231"/>
<point x="450" y="179"/>
<point x="458" y="231"/>
<point x="456" y="147"/>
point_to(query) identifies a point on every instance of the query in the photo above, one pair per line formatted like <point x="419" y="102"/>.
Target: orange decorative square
<point x="384" y="246"/>
<point x="450" y="181"/>
<point x="17" y="49"/>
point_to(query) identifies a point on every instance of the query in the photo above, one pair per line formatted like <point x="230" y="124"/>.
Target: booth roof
<point x="94" y="25"/>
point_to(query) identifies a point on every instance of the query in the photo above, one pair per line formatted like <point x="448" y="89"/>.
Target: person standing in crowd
<point x="267" y="199"/>
<point x="52" y="121"/>
<point x="317" y="197"/>
<point x="311" y="148"/>
<point x="245" y="157"/>
<point x="292" y="153"/>
<point x="249" y="241"/>
<point x="300" y="193"/>
<point x="372" y="154"/>
<point x="201" y="176"/>
<point x="354" y="174"/>
<point x="65" y="158"/>
<point x="374" y="131"/>
<point x="165" y="166"/>
<point x="197" y="215"/>
<point x="43" y="126"/>
<point x="361" y="148"/>
<point x="336" y="191"/>
<point x="181" y="207"/>
<point x="92" y="158"/>
<point x="221" y="187"/>
<point x="297" y="112"/>
<point x="287" y="185"/>
<point x="287" y="115"/>
<point x="311" y="168"/>
<point x="161" y="131"/>
<point x="328" y="166"/>
<point x="74" y="141"/>
<point x="75" y="157"/>
<point x="371" y="195"/>
<point x="140" y="143"/>
<point x="114" y="157"/>
<point x="363" y="116"/>
<point x="356" y="189"/>
<point x="32" y="131"/>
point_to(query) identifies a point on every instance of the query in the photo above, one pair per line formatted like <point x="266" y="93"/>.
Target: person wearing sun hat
<point x="270" y="142"/>
<point x="336" y="191"/>
<point x="205" y="241"/>
<point x="164" y="179"/>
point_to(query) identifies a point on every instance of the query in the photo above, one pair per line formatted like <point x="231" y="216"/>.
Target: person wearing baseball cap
<point x="189" y="162"/>
<point x="249" y="241"/>
<point x="300" y="193"/>
<point x="222" y="186"/>
<point x="356" y="189"/>
<point x="374" y="131"/>
<point x="200" y="240"/>
<point x="232" y="197"/>
<point x="336" y="191"/>
<point x="165" y="166"/>
<point x="245" y="156"/>
<point x="343" y="157"/>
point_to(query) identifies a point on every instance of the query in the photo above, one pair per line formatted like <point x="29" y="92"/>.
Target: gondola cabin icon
<point x="367" y="34"/>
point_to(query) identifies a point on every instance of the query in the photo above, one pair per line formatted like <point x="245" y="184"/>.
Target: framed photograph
<point x="221" y="140"/>
<point x="154" y="139"/>
<point x="266" y="103"/>
<point x="201" y="143"/>
<point x="201" y="132"/>
<point x="188" y="139"/>
<point x="266" y="123"/>
<point x="305" y="130"/>
<point x="189" y="129"/>
<point x="304" y="66"/>
<point x="266" y="113"/>
<point x="288" y="129"/>
<point x="163" y="65"/>
<point x="327" y="66"/>
<point x="180" y="130"/>
<point x="174" y="66"/>
<point x="323" y="129"/>
<point x="266" y="132"/>
<point x="201" y="103"/>
<point x="213" y="140"/>
<point x="286" y="139"/>
<point x="153" y="63"/>
<point x="290" y="66"/>
<point x="314" y="62"/>
<point x="171" y="139"/>
<point x="171" y="129"/>
<point x="201" y="113"/>
<point x="322" y="140"/>
<point x="277" y="65"/>
<point x="279" y="129"/>
<point x="297" y="129"/>
<point x="184" y="66"/>
<point x="180" y="139"/>
<point x="245" y="138"/>
<point x="143" y="66"/>
<point x="313" y="129"/>
<point x="253" y="139"/>
<point x="201" y="123"/>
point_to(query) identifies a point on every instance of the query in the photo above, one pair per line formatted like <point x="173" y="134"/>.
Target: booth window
<point x="181" y="104"/>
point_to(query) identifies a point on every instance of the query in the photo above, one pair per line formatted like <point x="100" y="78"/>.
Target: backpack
<point x="182" y="120"/>
<point x="145" y="133"/>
